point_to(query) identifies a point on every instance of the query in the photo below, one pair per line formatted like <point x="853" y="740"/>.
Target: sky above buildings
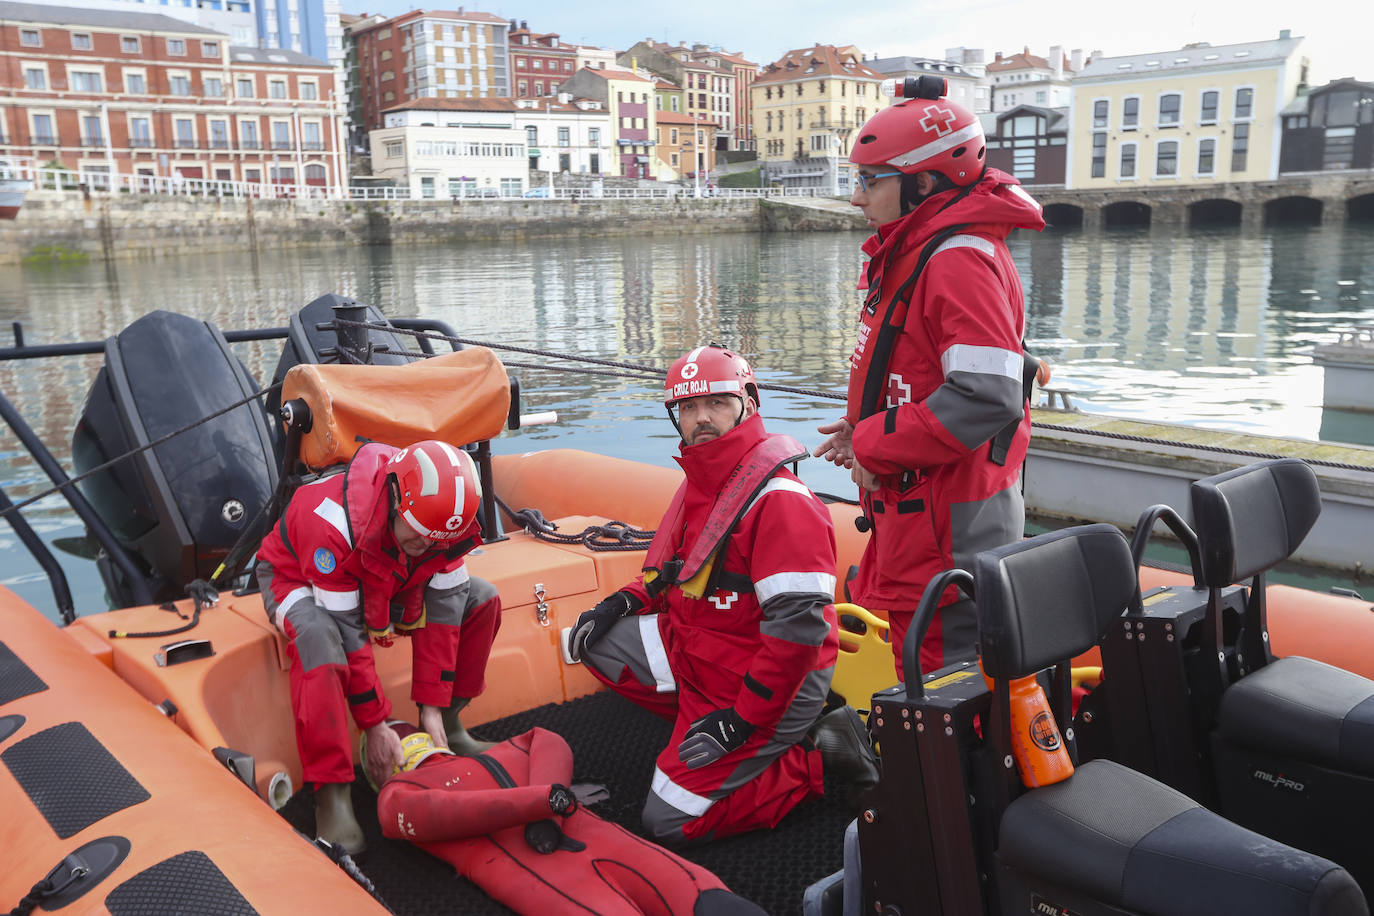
<point x="764" y="29"/>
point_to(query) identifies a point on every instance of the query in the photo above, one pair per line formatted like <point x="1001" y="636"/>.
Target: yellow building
<point x="1200" y="115"/>
<point x="806" y="107"/>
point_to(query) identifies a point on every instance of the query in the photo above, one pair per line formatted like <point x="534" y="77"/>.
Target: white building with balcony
<point x="446" y="148"/>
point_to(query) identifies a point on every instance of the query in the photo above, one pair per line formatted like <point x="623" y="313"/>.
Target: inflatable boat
<point x="147" y="755"/>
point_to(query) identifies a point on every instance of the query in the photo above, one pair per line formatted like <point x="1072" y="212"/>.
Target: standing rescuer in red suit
<point x="362" y="556"/>
<point x="730" y="631"/>
<point x="937" y="422"/>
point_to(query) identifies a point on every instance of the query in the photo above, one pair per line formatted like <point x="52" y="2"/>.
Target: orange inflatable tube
<point x="86" y="757"/>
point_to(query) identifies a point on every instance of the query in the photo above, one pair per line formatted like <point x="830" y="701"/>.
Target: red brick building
<point x="430" y="54"/>
<point x="142" y="93"/>
<point x="540" y="63"/>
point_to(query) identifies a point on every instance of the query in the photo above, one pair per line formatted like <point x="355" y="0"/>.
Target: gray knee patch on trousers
<point x="663" y="822"/>
<point x="317" y="638"/>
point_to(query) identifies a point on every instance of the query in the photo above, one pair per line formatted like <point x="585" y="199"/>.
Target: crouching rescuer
<point x="730" y="632"/>
<point x="360" y="557"/>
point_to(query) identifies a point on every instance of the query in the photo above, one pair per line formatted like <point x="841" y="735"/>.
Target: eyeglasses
<point x="864" y="180"/>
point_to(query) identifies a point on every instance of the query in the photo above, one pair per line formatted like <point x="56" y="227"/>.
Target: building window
<point x="219" y="134"/>
<point x="427" y="187"/>
<point x="84" y="81"/>
<point x="524" y="87"/>
<point x="213" y="86"/>
<point x="30" y="38"/>
<point x="248" y="135"/>
<point x="140" y="132"/>
<point x="1244" y="102"/>
<point x="1169" y="109"/>
<point x="1240" y="146"/>
<point x="176" y="47"/>
<point x="311" y="137"/>
<point x="1100" y="111"/>
<point x="128" y="44"/>
<point x="243" y="88"/>
<point x="388" y="75"/>
<point x="209" y="49"/>
<point x="594" y="137"/>
<point x="531" y="135"/>
<point x="179" y="84"/>
<point x="1130" y="113"/>
<point x="564" y="139"/>
<point x="395" y="149"/>
<point x="538" y="64"/>
<point x="134" y="84"/>
<point x="1099" y="155"/>
<point x="35" y="78"/>
<point x="281" y="135"/>
<point x="308" y="91"/>
<point x="276" y="89"/>
<point x="1209" y="107"/>
<point x="1206" y="157"/>
<point x="185" y="133"/>
<point x="1166" y="159"/>
<point x="512" y="187"/>
<point x="42" y="130"/>
<point x="1128" y="160"/>
<point x="81" y="41"/>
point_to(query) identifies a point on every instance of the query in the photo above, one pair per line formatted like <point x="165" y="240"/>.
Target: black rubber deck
<point x="614" y="743"/>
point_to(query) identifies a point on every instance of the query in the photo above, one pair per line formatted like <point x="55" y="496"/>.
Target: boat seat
<point x="1305" y="709"/>
<point x="1108" y="836"/>
<point x="1132" y="842"/>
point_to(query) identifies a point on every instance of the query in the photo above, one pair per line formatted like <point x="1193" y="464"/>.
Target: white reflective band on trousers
<point x="656" y="653"/>
<point x="672" y="793"/>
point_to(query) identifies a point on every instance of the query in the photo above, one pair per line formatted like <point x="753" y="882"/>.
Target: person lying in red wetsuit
<point x="509" y="821"/>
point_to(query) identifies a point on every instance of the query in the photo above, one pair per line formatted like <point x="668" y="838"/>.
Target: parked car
<point x="537" y="192"/>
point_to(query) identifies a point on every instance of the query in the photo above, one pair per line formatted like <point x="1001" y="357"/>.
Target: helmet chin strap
<point x="672" y="417"/>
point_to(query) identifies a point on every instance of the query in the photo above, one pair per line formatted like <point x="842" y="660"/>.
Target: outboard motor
<point x="181" y="505"/>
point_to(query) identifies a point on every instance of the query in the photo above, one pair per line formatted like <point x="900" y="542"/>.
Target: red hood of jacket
<point x="994" y="206"/>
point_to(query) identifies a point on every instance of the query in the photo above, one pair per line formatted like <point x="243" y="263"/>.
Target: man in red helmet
<point x="360" y="556"/>
<point x="937" y="422"/>
<point x="730" y="631"/>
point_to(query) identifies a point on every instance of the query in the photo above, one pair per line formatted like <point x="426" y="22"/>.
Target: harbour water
<point x="1207" y="327"/>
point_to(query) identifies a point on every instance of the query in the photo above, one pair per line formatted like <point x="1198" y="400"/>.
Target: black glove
<point x="712" y="737"/>
<point x="596" y="623"/>
<point x="562" y="801"/>
<point x="543" y="836"/>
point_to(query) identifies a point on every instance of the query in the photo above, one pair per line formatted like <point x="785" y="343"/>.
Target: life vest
<point x="385" y="577"/>
<point x="695" y="573"/>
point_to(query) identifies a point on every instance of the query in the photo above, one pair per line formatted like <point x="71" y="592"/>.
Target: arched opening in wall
<point x="1124" y="214"/>
<point x="1360" y="208"/>
<point x="1303" y="211"/>
<point x="1064" y="216"/>
<point x="1214" y="213"/>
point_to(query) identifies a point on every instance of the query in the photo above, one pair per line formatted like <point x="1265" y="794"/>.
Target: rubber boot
<point x="334" y="820"/>
<point x="459" y="741"/>
<point x="846" y="752"/>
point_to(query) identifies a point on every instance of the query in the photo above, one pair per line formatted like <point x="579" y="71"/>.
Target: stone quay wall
<point x="54" y="226"/>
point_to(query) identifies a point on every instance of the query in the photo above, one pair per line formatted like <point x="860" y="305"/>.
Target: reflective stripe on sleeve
<point x="672" y="793"/>
<point x="336" y="601"/>
<point x="794" y="583"/>
<point x="656" y="653"/>
<point x="982" y="361"/>
<point x="775" y="485"/>
<point x="446" y="580"/>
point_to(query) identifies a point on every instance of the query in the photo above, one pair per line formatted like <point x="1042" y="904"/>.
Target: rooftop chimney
<point x="997" y="58"/>
<point x="525" y="24"/>
<point x="1057" y="61"/>
<point x="1076" y="59"/>
<point x="1285" y="34"/>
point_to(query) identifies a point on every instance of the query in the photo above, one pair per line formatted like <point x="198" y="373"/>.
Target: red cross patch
<point x="938" y="120"/>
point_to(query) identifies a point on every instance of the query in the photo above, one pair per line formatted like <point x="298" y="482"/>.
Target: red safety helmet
<point x="711" y="369"/>
<point x="923" y="133"/>
<point x="437" y="488"/>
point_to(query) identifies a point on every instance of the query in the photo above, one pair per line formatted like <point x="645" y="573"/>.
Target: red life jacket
<point x="691" y="573"/>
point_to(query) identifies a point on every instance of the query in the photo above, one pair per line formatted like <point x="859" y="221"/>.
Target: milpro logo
<point x="1279" y="781"/>
<point x="1042" y="907"/>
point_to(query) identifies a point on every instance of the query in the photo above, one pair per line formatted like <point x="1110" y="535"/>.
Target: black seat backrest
<point x="1250" y="519"/>
<point x="1049" y="598"/>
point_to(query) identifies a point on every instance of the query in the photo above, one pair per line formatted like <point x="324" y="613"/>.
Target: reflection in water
<point x="1211" y="327"/>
